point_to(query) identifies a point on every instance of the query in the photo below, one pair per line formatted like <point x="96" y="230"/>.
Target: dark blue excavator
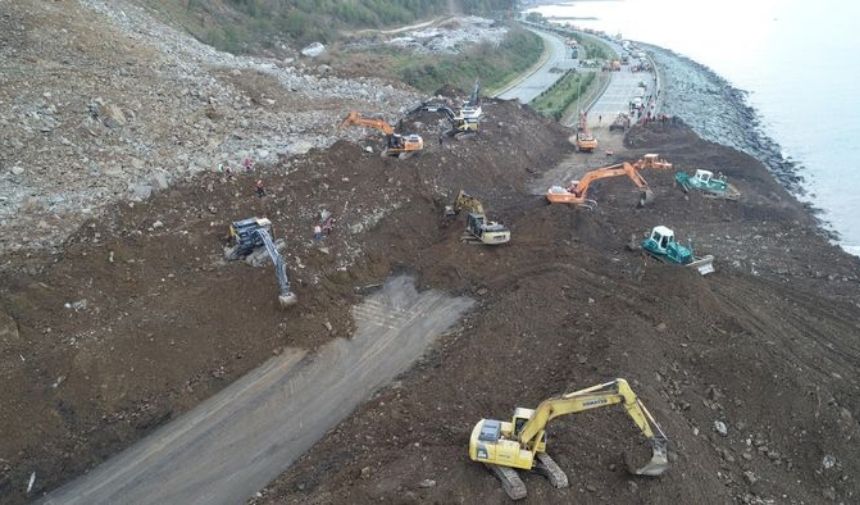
<point x="250" y="234"/>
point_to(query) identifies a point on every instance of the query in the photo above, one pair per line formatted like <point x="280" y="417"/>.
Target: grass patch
<point x="593" y="49"/>
<point x="493" y="65"/>
<point x="249" y="26"/>
<point x="563" y="94"/>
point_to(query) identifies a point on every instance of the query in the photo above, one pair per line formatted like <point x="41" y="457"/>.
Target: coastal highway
<point x="527" y="88"/>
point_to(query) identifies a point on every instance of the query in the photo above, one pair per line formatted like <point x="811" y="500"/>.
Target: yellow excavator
<point x="478" y="228"/>
<point x="402" y="146"/>
<point x="505" y="447"/>
<point x="577" y="192"/>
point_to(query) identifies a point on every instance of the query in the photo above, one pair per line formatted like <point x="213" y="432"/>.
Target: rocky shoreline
<point x="719" y="112"/>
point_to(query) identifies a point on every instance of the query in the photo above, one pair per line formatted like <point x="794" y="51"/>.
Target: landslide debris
<point x="99" y="102"/>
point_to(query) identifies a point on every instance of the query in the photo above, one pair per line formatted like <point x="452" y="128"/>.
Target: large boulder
<point x="8" y="329"/>
<point x="313" y="50"/>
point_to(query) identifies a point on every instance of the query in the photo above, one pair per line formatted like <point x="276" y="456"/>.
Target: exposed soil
<point x="166" y="323"/>
<point x="156" y="322"/>
<point x="767" y="345"/>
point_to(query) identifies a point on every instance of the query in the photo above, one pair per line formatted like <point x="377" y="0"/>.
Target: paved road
<point x="236" y="442"/>
<point x="542" y="78"/>
<point x="621" y="90"/>
<point x="619" y="93"/>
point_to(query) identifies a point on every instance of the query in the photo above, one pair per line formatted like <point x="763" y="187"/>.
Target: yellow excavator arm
<point x="601" y="395"/>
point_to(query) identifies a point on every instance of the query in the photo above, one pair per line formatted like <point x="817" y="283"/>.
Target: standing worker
<point x="260" y="190"/>
<point x="317" y="232"/>
<point x="249" y="164"/>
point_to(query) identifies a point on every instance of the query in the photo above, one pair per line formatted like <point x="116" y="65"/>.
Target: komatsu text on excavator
<point x="521" y="444"/>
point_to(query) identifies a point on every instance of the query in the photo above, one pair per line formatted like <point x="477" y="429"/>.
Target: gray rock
<point x="8" y="329"/>
<point x="160" y="181"/>
<point x="17" y="170"/>
<point x="721" y="428"/>
<point x="140" y="191"/>
<point x="828" y="462"/>
<point x="313" y="50"/>
<point x="427" y="483"/>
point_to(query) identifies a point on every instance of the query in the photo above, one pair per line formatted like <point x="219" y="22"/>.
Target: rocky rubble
<point x="450" y="37"/>
<point x="110" y="104"/>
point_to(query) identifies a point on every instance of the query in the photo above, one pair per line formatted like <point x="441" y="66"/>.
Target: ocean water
<point x="799" y="61"/>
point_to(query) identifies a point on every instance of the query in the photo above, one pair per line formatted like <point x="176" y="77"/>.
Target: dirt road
<point x="234" y="443"/>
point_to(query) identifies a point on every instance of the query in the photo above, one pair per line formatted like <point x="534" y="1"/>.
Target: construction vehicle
<point x="472" y="107"/>
<point x="661" y="244"/>
<point x="577" y="192"/>
<point x="710" y="186"/>
<point x="521" y="444"/>
<point x="478" y="228"/>
<point x="621" y="122"/>
<point x="402" y="146"/>
<point x="585" y="141"/>
<point x="248" y="236"/>
<point x="461" y="126"/>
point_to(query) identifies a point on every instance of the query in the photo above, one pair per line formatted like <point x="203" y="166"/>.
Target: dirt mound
<point x="766" y="346"/>
<point x="139" y="319"/>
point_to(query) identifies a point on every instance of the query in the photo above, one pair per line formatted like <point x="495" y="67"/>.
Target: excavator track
<point x="513" y="485"/>
<point x="547" y="467"/>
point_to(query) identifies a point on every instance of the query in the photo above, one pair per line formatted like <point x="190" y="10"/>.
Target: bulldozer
<point x="661" y="245"/>
<point x="585" y="142"/>
<point x="521" y="444"/>
<point x="249" y="235"/>
<point x="710" y="186"/>
<point x="401" y="146"/>
<point x="577" y="192"/>
<point x="479" y="230"/>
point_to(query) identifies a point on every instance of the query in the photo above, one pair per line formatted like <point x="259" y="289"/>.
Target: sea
<point x="796" y="61"/>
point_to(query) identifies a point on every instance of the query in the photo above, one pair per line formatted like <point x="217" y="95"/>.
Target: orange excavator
<point x="402" y="146"/>
<point x="585" y="141"/>
<point x="577" y="192"/>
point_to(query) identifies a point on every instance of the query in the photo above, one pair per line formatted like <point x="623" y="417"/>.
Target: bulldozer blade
<point x="287" y="300"/>
<point x="511" y="481"/>
<point x="646" y="197"/>
<point x="703" y="265"/>
<point x="547" y="467"/>
<point x="658" y="464"/>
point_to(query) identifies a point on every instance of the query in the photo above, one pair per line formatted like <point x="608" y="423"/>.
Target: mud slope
<point x="261" y="423"/>
<point x="768" y="345"/>
<point x="156" y="320"/>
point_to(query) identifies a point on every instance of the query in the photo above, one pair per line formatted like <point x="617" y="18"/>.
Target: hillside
<point x="119" y="314"/>
<point x="254" y="25"/>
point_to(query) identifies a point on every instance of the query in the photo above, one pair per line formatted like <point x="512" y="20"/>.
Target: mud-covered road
<point x="237" y="441"/>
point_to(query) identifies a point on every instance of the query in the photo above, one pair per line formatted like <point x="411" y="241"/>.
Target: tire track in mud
<point x="237" y="441"/>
